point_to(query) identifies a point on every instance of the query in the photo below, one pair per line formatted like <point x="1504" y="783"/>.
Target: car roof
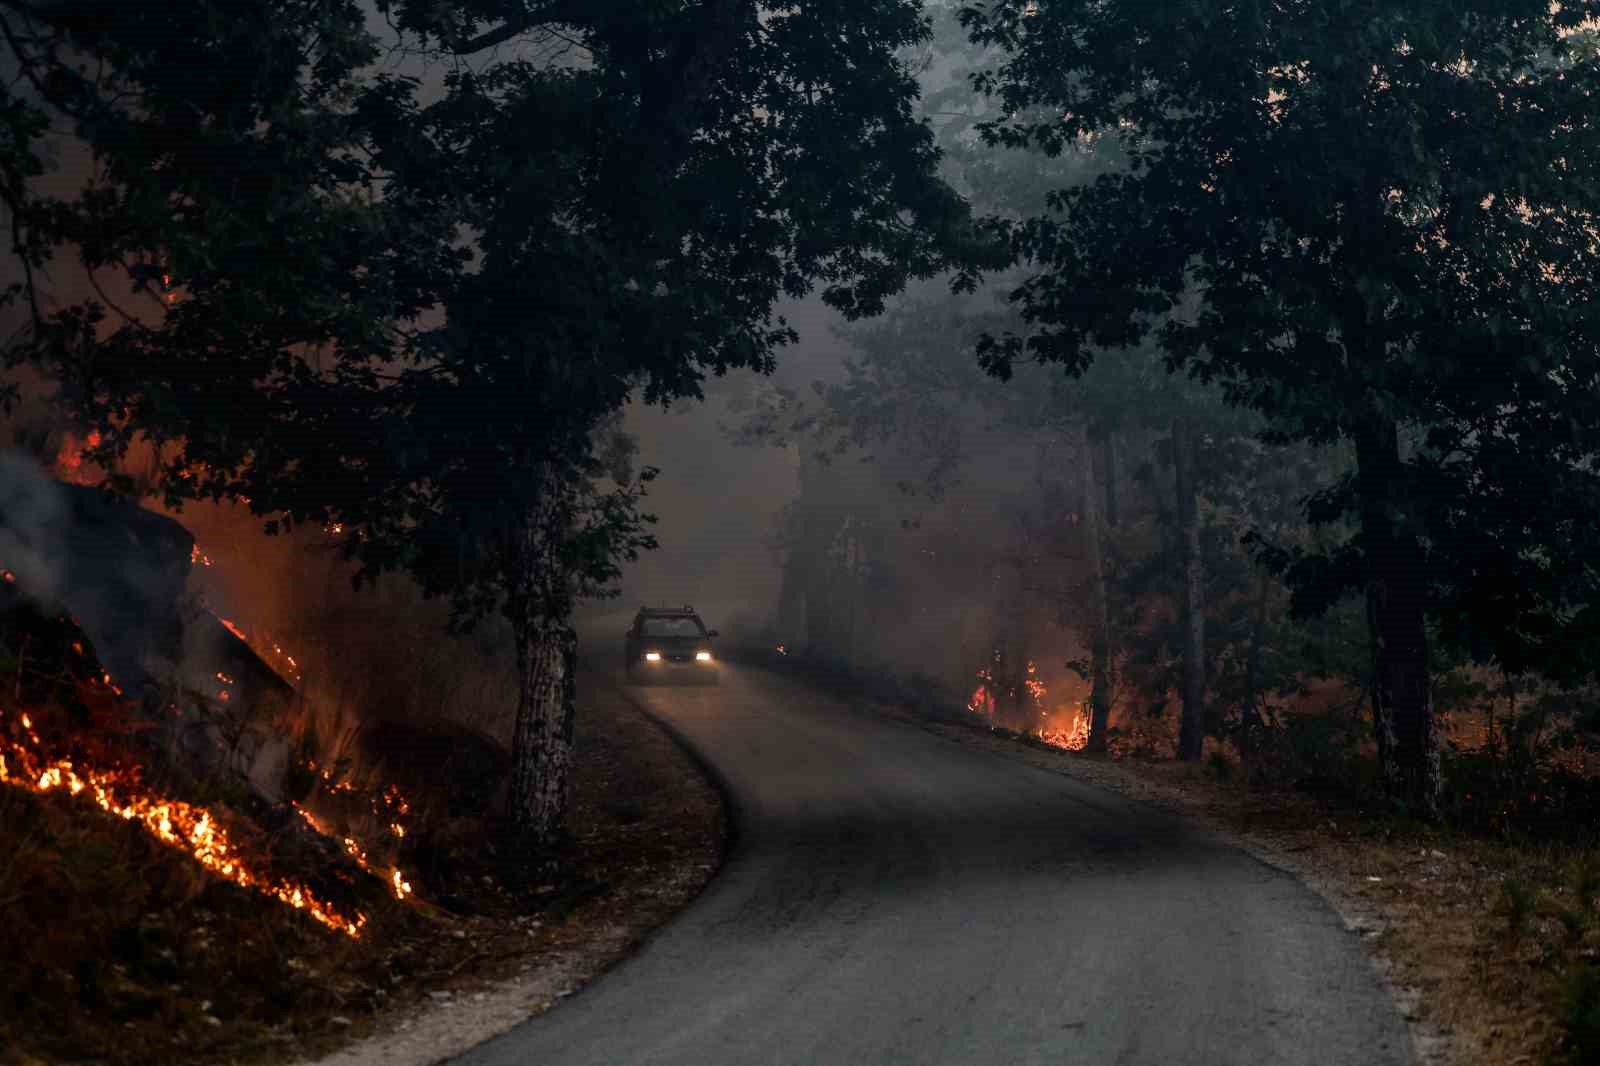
<point x="657" y="612"/>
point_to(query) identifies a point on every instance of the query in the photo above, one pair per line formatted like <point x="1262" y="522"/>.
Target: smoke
<point x="33" y="526"/>
<point x="116" y="568"/>
<point x="719" y="504"/>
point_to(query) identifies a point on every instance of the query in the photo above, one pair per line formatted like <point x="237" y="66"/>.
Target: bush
<point x="1498" y="792"/>
<point x="1580" y="1013"/>
<point x="1220" y="767"/>
<point x="1516" y="906"/>
<point x="1321" y="754"/>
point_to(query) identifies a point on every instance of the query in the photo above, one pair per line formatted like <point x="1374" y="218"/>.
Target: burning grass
<point x="122" y="948"/>
<point x="185" y="827"/>
<point x="130" y="936"/>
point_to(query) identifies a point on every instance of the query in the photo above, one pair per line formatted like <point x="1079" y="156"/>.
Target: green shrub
<point x="1516" y="905"/>
<point x="1580" y="1013"/>
<point x="1574" y="924"/>
<point x="1495" y="793"/>
<point x="1219" y="766"/>
<point x="1586" y="881"/>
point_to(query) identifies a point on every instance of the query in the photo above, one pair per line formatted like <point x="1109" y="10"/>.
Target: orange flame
<point x="1034" y="686"/>
<point x="1073" y="737"/>
<point x="396" y="882"/>
<point x="269" y="650"/>
<point x="70" y="460"/>
<point x="180" y="825"/>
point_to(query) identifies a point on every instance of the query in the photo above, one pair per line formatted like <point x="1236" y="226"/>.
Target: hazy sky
<point x="717" y="502"/>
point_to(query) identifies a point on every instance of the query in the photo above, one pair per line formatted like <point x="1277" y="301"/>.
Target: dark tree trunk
<point x="1111" y="480"/>
<point x="791" y="621"/>
<point x="1100" y="618"/>
<point x="1191" y="732"/>
<point x="541" y="606"/>
<point x="1021" y="704"/>
<point x="1250" y="721"/>
<point x="809" y="557"/>
<point x="1402" y="709"/>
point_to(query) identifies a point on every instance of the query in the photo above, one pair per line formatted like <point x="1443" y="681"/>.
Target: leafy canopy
<point x="406" y="302"/>
<point x="1385" y="213"/>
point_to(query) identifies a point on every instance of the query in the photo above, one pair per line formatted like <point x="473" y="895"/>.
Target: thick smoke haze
<point x="719" y="503"/>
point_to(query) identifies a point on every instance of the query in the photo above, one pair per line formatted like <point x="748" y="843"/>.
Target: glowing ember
<point x="198" y="556"/>
<point x="180" y="825"/>
<point x="70" y="460"/>
<point x="781" y="650"/>
<point x="396" y="882"/>
<point x="392" y="799"/>
<point x="8" y="577"/>
<point x="985" y="696"/>
<point x="269" y="650"/>
<point x="1034" y="686"/>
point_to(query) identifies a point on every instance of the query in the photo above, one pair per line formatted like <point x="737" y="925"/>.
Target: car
<point x="667" y="643"/>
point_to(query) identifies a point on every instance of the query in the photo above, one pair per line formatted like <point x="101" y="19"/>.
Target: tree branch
<point x="570" y="14"/>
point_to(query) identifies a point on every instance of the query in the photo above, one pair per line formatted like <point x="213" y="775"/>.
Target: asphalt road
<point x="894" y="897"/>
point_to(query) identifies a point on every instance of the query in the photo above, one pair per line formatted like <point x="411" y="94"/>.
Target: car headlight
<point x="652" y="656"/>
<point x="702" y="656"/>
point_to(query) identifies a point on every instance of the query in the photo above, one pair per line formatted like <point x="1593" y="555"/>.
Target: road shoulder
<point x="649" y="828"/>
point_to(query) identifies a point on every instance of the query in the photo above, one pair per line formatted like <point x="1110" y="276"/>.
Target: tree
<point x="1367" y="266"/>
<point x="420" y="313"/>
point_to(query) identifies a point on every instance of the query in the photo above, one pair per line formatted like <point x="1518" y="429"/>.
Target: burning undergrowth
<point x="1017" y="699"/>
<point x="140" y="904"/>
<point x="246" y="806"/>
<point x="226" y="847"/>
<point x="175" y="850"/>
<point x="130" y="932"/>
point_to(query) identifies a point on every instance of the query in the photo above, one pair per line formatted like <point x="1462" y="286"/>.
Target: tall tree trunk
<point x="541" y="607"/>
<point x="1100" y="624"/>
<point x="1191" y="731"/>
<point x="1111" y="479"/>
<point x="810" y="556"/>
<point x="1408" y="749"/>
<point x="1250" y="722"/>
<point x="791" y="620"/>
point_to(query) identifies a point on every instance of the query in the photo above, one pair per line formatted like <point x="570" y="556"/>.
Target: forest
<point x="1203" y="385"/>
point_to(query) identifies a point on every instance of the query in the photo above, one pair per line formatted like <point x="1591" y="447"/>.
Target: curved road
<point x="894" y="897"/>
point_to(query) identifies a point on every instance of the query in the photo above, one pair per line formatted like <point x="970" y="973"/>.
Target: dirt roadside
<point x="648" y="829"/>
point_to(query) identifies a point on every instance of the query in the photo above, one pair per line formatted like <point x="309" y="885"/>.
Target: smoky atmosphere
<point x="837" y="532"/>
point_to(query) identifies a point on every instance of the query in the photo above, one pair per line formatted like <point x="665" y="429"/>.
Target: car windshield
<point x="671" y="627"/>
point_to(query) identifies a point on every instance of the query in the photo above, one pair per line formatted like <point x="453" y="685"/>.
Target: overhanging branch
<point x="567" y="14"/>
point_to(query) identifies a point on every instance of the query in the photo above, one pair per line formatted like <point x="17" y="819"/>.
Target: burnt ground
<point x="126" y="952"/>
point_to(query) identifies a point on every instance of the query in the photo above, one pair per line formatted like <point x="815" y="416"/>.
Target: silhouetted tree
<point x="1365" y="262"/>
<point x="408" y="306"/>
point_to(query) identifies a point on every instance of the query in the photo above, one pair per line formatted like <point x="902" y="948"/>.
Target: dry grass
<point x="119" y="950"/>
